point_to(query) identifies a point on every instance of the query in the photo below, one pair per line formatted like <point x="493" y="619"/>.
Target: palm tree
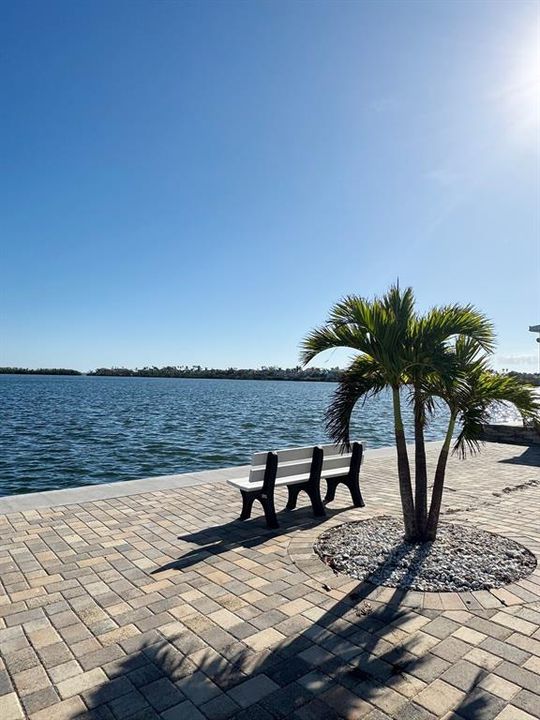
<point x="378" y="330"/>
<point x="397" y="348"/>
<point x="471" y="390"/>
<point x="428" y="351"/>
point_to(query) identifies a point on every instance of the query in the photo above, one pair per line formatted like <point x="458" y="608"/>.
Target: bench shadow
<point x="328" y="667"/>
<point x="243" y="533"/>
<point x="530" y="457"/>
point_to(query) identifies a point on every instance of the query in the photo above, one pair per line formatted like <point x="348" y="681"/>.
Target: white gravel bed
<point x="461" y="558"/>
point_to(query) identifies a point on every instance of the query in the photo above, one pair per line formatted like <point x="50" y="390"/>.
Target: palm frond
<point x="378" y="327"/>
<point x="442" y="323"/>
<point x="327" y="337"/>
<point x="482" y="391"/>
<point x="352" y="310"/>
<point x="469" y="437"/>
<point x="454" y="365"/>
<point x="422" y="400"/>
<point x="362" y="380"/>
<point x="400" y="303"/>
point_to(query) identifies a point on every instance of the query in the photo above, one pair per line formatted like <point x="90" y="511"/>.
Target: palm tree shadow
<point x="476" y="701"/>
<point x="354" y="651"/>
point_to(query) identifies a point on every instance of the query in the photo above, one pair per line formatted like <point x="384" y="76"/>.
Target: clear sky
<point x="196" y="183"/>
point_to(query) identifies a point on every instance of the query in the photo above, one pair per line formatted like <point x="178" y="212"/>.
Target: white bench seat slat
<point x="246" y="484"/>
<point x="336" y="472"/>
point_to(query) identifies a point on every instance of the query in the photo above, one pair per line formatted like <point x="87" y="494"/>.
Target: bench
<point x="300" y="470"/>
<point x="343" y="468"/>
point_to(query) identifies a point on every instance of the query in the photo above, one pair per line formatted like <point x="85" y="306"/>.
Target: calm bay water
<point x="59" y="432"/>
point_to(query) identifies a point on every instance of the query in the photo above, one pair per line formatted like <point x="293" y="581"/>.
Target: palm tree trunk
<point x="404" y="471"/>
<point x="420" y="466"/>
<point x="438" y="485"/>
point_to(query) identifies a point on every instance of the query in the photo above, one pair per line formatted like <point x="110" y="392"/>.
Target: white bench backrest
<point x="297" y="461"/>
<point x="334" y="459"/>
<point x="336" y="449"/>
<point x="293" y="461"/>
<point x="287" y="455"/>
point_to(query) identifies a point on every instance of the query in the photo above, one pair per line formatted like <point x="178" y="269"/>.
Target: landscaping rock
<point x="460" y="559"/>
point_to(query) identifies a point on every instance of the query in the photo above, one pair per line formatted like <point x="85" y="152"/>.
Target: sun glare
<point x="521" y="94"/>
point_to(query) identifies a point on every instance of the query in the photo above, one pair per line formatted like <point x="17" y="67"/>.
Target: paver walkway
<point x="162" y="605"/>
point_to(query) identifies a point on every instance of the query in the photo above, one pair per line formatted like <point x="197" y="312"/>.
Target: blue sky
<point x="196" y="183"/>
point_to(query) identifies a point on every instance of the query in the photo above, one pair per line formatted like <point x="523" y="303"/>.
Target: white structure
<point x="536" y="329"/>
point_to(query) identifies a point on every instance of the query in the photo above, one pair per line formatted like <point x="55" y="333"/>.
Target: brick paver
<point x="160" y="604"/>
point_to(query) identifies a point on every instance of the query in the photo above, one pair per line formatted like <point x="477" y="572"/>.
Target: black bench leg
<point x="247" y="503"/>
<point x="316" y="502"/>
<point x="269" y="512"/>
<point x="356" y="495"/>
<point x="353" y="486"/>
<point x="331" y="486"/>
<point x="293" y="491"/>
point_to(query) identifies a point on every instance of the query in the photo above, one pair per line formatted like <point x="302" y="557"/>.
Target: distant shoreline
<point x="195" y="373"/>
<point x="199" y="373"/>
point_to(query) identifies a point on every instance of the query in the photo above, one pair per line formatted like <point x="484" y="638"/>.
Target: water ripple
<point x="62" y="432"/>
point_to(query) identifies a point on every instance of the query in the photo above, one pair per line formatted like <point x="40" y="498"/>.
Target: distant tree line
<point x="529" y="378"/>
<point x="195" y="371"/>
<point x="39" y="371"/>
